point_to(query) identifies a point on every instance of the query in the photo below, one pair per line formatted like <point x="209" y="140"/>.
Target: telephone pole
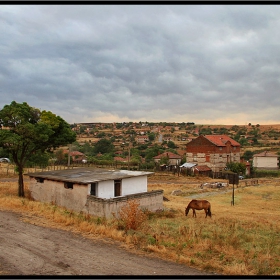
<point x="69" y="151"/>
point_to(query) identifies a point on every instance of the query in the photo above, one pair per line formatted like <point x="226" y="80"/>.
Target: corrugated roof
<point x="188" y="165"/>
<point x="87" y="175"/>
<point x="220" y="140"/>
<point x="203" y="168"/>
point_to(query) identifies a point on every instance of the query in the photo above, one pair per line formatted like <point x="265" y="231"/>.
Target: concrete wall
<point x="54" y="191"/>
<point x="105" y="207"/>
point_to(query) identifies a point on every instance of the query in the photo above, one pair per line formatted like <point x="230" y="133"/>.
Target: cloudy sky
<point x="208" y="64"/>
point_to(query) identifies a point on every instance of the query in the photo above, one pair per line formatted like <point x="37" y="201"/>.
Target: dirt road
<point x="27" y="249"/>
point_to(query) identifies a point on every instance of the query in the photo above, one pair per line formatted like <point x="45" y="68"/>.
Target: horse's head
<point x="186" y="211"/>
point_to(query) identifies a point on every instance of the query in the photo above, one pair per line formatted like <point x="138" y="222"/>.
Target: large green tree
<point x="237" y="167"/>
<point x="104" y="146"/>
<point x="25" y="131"/>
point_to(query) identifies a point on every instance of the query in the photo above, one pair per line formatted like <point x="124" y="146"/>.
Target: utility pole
<point x="69" y="151"/>
<point x="128" y="156"/>
<point x="233" y="179"/>
<point x="232" y="202"/>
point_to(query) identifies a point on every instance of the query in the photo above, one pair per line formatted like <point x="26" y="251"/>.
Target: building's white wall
<point x="265" y="162"/>
<point x="134" y="185"/>
<point x="105" y="189"/>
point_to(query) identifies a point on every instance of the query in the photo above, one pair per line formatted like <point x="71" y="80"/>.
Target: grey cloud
<point x="142" y="62"/>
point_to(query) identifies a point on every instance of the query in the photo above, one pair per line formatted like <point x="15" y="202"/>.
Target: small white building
<point x="95" y="191"/>
<point x="265" y="160"/>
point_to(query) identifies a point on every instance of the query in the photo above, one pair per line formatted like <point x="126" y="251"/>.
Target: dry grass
<point x="238" y="240"/>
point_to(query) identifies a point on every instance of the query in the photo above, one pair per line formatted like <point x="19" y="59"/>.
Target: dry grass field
<point x="242" y="239"/>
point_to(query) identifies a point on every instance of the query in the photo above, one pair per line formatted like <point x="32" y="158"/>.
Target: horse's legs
<point x="208" y="212"/>
<point x="194" y="213"/>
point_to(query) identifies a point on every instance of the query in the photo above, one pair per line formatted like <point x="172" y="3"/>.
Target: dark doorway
<point x="93" y="189"/>
<point x="117" y="189"/>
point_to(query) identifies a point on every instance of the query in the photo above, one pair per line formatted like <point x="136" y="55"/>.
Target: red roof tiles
<point x="221" y="140"/>
<point x="167" y="154"/>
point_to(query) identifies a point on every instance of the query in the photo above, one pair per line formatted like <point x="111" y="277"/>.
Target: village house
<point x="215" y="151"/>
<point x="173" y="159"/>
<point x="142" y="139"/>
<point x="96" y="191"/>
<point x="247" y="165"/>
<point x="265" y="160"/>
<point x="202" y="170"/>
<point x="188" y="168"/>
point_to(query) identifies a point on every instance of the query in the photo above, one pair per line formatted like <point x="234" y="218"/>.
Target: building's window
<point x="93" y="189"/>
<point x="40" y="180"/>
<point x="117" y="187"/>
<point x="220" y="148"/>
<point x="68" y="185"/>
<point x="194" y="157"/>
<point x="207" y="159"/>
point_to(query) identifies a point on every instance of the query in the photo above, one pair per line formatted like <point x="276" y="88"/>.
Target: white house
<point x="95" y="191"/>
<point x="265" y="160"/>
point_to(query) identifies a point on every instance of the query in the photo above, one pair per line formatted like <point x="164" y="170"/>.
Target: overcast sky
<point x="208" y="64"/>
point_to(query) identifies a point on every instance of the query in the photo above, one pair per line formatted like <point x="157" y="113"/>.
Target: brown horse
<point x="199" y="205"/>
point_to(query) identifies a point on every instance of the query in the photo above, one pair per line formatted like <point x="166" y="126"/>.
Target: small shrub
<point x="131" y="216"/>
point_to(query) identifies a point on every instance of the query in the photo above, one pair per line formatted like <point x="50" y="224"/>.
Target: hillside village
<point x="133" y="141"/>
<point x="180" y="133"/>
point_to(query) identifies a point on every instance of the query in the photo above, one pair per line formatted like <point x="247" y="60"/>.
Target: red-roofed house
<point x="173" y="159"/>
<point x="202" y="170"/>
<point x="215" y="151"/>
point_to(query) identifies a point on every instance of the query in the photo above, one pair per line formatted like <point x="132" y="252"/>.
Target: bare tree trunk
<point x="20" y="182"/>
